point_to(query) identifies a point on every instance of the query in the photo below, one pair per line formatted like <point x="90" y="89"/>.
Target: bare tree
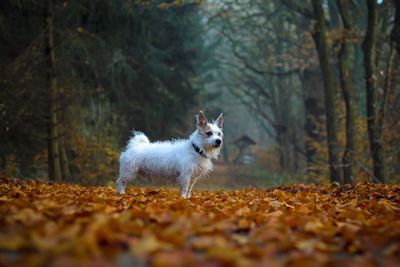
<point x="345" y="69"/>
<point x="331" y="124"/>
<point x="374" y="118"/>
<point x="54" y="163"/>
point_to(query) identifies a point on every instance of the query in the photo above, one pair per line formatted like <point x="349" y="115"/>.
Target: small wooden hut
<point x="243" y="143"/>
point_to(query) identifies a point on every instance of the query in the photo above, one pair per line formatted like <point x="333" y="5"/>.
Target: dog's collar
<point x="199" y="151"/>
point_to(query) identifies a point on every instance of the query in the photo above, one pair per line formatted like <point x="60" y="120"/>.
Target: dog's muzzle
<point x="218" y="143"/>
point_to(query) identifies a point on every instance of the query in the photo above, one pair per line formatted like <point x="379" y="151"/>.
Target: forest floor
<point x="61" y="225"/>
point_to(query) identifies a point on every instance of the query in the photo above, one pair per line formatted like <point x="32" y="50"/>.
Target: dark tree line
<point x="82" y="74"/>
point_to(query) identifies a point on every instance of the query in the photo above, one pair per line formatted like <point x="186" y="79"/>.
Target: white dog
<point x="187" y="160"/>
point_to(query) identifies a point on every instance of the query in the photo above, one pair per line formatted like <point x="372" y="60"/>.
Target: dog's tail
<point x="138" y="138"/>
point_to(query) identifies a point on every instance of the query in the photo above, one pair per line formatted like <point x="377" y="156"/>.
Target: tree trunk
<point x="313" y="105"/>
<point x="283" y="148"/>
<point x="395" y="35"/>
<point x="323" y="56"/>
<point x="66" y="174"/>
<point x="53" y="142"/>
<point x="387" y="86"/>
<point x="278" y="106"/>
<point x="374" y="129"/>
<point x="348" y="92"/>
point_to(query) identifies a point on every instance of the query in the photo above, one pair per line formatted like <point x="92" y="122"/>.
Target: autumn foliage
<point x="300" y="225"/>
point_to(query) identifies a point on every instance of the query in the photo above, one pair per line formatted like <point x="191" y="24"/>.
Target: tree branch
<point x="304" y="11"/>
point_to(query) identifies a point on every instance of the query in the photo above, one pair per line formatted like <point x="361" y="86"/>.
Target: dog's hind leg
<point x="121" y="184"/>
<point x="123" y="178"/>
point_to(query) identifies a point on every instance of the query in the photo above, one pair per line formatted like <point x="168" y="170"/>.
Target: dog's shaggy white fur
<point x="187" y="160"/>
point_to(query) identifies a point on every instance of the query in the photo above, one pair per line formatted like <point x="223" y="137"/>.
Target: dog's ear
<point x="201" y="120"/>
<point x="219" y="121"/>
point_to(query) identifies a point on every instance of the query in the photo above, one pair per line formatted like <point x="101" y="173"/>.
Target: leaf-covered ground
<point x="70" y="225"/>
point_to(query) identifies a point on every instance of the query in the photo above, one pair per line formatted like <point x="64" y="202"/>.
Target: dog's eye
<point x="209" y="133"/>
<point x="219" y="134"/>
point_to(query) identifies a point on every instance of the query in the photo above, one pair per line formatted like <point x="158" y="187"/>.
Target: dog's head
<point x="211" y="133"/>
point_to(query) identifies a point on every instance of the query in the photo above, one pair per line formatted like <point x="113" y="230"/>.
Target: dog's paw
<point x="185" y="196"/>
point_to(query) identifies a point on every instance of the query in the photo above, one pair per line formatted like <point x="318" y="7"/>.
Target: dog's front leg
<point x="184" y="181"/>
<point x="191" y="185"/>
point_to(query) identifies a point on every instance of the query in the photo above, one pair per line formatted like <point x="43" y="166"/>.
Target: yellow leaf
<point x="388" y="205"/>
<point x="5" y="199"/>
<point x="223" y="253"/>
<point x="275" y="204"/>
<point x="303" y="210"/>
<point x="205" y="242"/>
<point x="313" y="226"/>
<point x="149" y="244"/>
<point x="12" y="242"/>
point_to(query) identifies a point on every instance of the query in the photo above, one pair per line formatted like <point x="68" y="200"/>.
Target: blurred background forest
<point x="309" y="89"/>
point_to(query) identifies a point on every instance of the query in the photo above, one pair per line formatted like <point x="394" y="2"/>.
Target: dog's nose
<point x="218" y="141"/>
